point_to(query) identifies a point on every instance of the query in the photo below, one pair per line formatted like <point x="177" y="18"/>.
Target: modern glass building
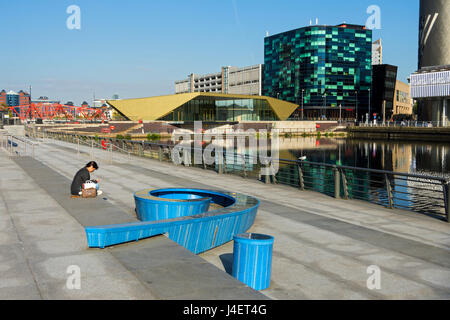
<point x="383" y="93"/>
<point x="207" y="107"/>
<point x="327" y="69"/>
<point x="224" y="110"/>
<point x="12" y="99"/>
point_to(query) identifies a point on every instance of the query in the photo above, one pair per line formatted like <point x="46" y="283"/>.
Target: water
<point x="421" y="195"/>
<point x="400" y="156"/>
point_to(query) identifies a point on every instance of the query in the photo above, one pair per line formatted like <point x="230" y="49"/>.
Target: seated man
<point x="82" y="176"/>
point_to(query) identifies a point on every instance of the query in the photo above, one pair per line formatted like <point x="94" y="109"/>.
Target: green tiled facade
<point x="329" y="66"/>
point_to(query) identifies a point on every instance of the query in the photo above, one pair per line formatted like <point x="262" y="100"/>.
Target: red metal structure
<point x="56" y="111"/>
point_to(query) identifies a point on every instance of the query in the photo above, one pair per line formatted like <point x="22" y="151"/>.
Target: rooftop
<point x="433" y="69"/>
<point x="342" y="25"/>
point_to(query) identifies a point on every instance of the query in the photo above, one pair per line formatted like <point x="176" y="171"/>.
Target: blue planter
<point x="252" y="259"/>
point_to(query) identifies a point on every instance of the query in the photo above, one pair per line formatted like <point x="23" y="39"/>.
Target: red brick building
<point x="2" y="97"/>
<point x="24" y="98"/>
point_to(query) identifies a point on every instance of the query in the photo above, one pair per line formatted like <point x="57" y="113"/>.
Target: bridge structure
<point x="56" y="111"/>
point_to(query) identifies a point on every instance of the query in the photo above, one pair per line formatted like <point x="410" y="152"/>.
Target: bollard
<point x="220" y="162"/>
<point x="345" y="185"/>
<point x="389" y="191"/>
<point x="244" y="166"/>
<point x="337" y="183"/>
<point x="252" y="259"/>
<point x="300" y="177"/>
<point x="267" y="177"/>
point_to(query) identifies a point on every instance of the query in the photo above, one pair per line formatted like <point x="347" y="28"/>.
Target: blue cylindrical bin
<point x="252" y="259"/>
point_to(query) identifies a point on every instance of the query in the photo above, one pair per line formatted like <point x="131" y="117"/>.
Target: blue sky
<point x="138" y="48"/>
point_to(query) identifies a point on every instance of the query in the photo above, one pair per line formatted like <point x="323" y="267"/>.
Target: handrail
<point x="412" y="175"/>
<point x="11" y="139"/>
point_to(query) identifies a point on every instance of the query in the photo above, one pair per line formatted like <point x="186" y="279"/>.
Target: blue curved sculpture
<point x="197" y="232"/>
<point x="167" y="204"/>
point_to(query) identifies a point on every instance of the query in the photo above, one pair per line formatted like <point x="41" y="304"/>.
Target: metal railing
<point x="17" y="146"/>
<point x="420" y="193"/>
<point x="407" y="123"/>
<point x="91" y="144"/>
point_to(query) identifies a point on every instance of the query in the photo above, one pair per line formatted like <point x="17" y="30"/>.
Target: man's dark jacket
<point x="81" y="177"/>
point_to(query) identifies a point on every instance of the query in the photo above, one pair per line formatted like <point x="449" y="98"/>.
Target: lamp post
<point x="369" y="107"/>
<point x="356" y="93"/>
<point x="324" y="103"/>
<point x="303" y="90"/>
<point x="30" y="102"/>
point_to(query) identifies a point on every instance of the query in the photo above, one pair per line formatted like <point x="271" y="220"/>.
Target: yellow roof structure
<point x="154" y="108"/>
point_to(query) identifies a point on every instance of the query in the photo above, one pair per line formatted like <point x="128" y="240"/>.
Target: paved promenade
<point x="322" y="248"/>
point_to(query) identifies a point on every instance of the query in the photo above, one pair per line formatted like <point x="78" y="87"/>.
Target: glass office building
<point x="204" y="106"/>
<point x="328" y="67"/>
<point x="214" y="109"/>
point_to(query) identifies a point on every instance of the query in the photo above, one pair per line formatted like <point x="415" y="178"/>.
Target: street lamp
<point x="303" y="90"/>
<point x="356" y="93"/>
<point x="369" y="107"/>
<point x="324" y="103"/>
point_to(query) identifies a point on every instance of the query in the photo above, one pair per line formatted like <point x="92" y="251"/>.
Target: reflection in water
<point x="407" y="157"/>
<point x="421" y="195"/>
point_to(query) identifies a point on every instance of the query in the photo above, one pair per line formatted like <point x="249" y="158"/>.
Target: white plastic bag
<point x="89" y="185"/>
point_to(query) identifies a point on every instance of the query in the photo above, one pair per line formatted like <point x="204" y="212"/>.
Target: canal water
<point x="425" y="158"/>
<point x="421" y="158"/>
<point x="425" y="195"/>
